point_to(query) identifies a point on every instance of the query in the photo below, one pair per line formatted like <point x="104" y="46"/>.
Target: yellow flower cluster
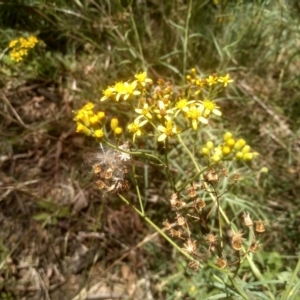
<point x="236" y="148"/>
<point x="88" y="122"/>
<point x="210" y="81"/>
<point x="19" y="47"/>
<point x="165" y="108"/>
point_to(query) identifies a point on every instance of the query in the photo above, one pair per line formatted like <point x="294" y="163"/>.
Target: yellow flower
<point x="167" y="131"/>
<point x="99" y="133"/>
<point x="12" y="43"/>
<point x="108" y="93"/>
<point x="211" y="80"/>
<point x="225" y="80"/>
<point x="32" y="41"/>
<point x="94" y="119"/>
<point x="101" y="115"/>
<point x="208" y="107"/>
<point x="130" y="90"/>
<point x="118" y="131"/>
<point x="142" y="78"/>
<point x="120" y="89"/>
<point x="88" y="106"/>
<point x="145" y="111"/>
<point x="83" y="129"/>
<point x="16" y="56"/>
<point x="183" y="105"/>
<point x="135" y="128"/>
<point x="195" y="115"/>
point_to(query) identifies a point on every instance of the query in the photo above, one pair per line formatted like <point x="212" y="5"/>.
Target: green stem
<point x="170" y="178"/>
<point x="186" y="36"/>
<point x="138" y="190"/>
<point x="160" y="231"/>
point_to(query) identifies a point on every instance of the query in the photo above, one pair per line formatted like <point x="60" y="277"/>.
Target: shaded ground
<point x="59" y="238"/>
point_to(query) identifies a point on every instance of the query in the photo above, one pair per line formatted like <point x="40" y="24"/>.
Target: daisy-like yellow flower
<point x="195" y="115"/>
<point x="135" y="127"/>
<point x="120" y="90"/>
<point x="182" y="105"/>
<point x="144" y="112"/>
<point x="142" y="79"/>
<point x="167" y="131"/>
<point x="207" y="107"/>
<point x="12" y="43"/>
<point x="211" y="80"/>
<point x="130" y="90"/>
<point x="108" y="93"/>
<point x="225" y="80"/>
<point x="32" y="41"/>
<point x="16" y="56"/>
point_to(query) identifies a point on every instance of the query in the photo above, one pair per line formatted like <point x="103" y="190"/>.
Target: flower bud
<point x="226" y="150"/>
<point x="230" y="143"/>
<point x="99" y="133"/>
<point x="205" y="151"/>
<point x="246" y="149"/>
<point x="210" y="145"/>
<point x="216" y="158"/>
<point x="118" y="131"/>
<point x="239" y="155"/>
<point x="239" y="144"/>
<point x="227" y="136"/>
<point x="114" y="123"/>
<point x="248" y="156"/>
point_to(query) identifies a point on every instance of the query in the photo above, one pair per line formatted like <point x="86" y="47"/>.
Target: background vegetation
<point x="60" y="237"/>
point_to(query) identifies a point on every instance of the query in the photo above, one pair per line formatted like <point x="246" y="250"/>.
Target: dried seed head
<point x="180" y="220"/>
<point x="211" y="176"/>
<point x="237" y="241"/>
<point x="221" y="262"/>
<point x="190" y="246"/>
<point x="108" y="173"/>
<point x="119" y="186"/>
<point x="211" y="238"/>
<point x="254" y="246"/>
<point x="173" y="200"/>
<point x="247" y="219"/>
<point x="192" y="190"/>
<point x="97" y="168"/>
<point x="175" y="233"/>
<point x="101" y="185"/>
<point x="260" y="226"/>
<point x="167" y="225"/>
<point x="200" y="203"/>
<point x="194" y="265"/>
<point x="236" y="177"/>
<point x="225" y="172"/>
<point x="180" y="204"/>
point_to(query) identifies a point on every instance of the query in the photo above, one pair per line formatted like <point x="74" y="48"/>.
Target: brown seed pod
<point x="221" y="262"/>
<point x="260" y="226"/>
